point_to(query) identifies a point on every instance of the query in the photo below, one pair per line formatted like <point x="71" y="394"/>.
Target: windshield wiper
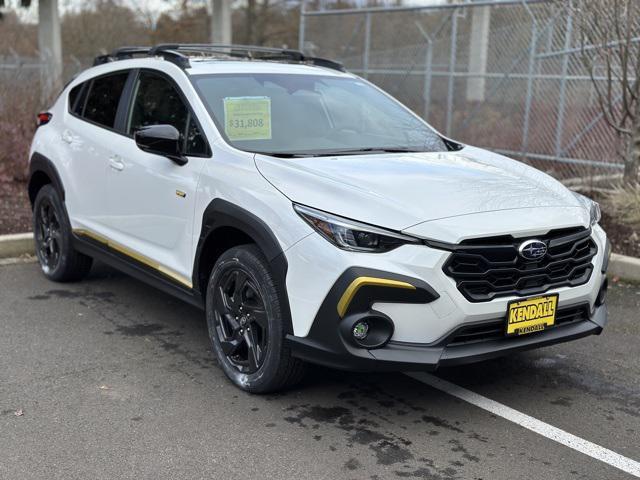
<point x="355" y="151"/>
<point x="285" y="154"/>
<point x="331" y="153"/>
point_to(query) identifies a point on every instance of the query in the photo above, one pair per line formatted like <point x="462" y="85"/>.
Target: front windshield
<point x="294" y="114"/>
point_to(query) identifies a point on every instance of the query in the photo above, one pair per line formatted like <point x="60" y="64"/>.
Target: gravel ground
<point x="116" y="380"/>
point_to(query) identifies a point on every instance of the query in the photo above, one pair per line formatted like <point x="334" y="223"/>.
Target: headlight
<point x="594" y="208"/>
<point x="351" y="235"/>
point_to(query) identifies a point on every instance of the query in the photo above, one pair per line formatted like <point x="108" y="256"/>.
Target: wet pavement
<point x="117" y="380"/>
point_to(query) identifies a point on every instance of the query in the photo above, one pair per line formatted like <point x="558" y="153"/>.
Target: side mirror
<point x="161" y="140"/>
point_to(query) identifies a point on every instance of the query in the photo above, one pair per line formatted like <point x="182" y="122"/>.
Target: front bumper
<point x="318" y="276"/>
<point x="396" y="356"/>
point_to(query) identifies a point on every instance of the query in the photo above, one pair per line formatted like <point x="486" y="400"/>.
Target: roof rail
<point x="178" y="53"/>
<point x="125" y="53"/>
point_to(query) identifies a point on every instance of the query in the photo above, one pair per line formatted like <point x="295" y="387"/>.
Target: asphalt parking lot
<point x="116" y="380"/>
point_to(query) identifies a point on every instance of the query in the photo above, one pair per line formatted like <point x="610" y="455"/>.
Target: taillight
<point x="44" y="118"/>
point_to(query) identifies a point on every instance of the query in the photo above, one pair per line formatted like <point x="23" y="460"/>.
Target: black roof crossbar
<point x="178" y="53"/>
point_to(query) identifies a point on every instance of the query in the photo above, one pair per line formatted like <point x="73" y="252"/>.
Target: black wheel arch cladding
<point x="40" y="167"/>
<point x="222" y="213"/>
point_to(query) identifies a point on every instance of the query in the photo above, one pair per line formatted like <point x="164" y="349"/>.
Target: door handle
<point x="67" y="136"/>
<point x="116" y="163"/>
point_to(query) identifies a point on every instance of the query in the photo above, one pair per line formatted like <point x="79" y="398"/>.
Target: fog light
<point x="360" y="330"/>
<point x="367" y="329"/>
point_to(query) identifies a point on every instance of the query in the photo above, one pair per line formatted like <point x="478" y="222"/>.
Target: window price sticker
<point x="247" y="118"/>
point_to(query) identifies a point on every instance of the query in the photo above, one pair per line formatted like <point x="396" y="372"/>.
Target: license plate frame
<point x="521" y="323"/>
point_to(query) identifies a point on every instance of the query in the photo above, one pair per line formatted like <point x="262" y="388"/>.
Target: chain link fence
<point x="23" y="92"/>
<point x="504" y="75"/>
<point x="19" y="72"/>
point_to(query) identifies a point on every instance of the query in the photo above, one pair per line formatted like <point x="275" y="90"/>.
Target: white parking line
<point x="565" y="438"/>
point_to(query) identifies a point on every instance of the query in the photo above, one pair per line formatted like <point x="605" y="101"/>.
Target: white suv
<point x="311" y="215"/>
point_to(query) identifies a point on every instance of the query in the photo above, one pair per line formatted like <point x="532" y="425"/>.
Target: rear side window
<point x="102" y="101"/>
<point x="157" y="102"/>
<point x="74" y="96"/>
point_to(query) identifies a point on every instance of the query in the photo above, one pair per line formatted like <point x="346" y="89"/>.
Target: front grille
<point x="494" y="330"/>
<point x="488" y="268"/>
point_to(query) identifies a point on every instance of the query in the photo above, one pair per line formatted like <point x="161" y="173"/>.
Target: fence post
<point x="563" y="84"/>
<point x="478" y="50"/>
<point x="220" y="22"/>
<point x="452" y="69"/>
<point x="427" y="79"/>
<point x="530" y="75"/>
<point x="50" y="47"/>
<point x="367" y="44"/>
<point x="303" y="22"/>
<point x="428" y="60"/>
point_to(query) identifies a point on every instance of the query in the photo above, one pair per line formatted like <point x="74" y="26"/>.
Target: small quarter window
<point x="73" y="97"/>
<point x="194" y="143"/>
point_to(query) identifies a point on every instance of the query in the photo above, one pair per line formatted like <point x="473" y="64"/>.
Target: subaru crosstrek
<point x="312" y="216"/>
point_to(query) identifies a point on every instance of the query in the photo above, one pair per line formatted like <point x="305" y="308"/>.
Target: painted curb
<point x="16" y="245"/>
<point x="626" y="268"/>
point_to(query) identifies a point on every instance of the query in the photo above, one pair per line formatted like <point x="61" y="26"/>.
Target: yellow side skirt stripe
<point x="135" y="255"/>
<point x="360" y="282"/>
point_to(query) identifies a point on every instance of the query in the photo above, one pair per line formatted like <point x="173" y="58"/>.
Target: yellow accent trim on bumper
<point x="360" y="282"/>
<point x="132" y="254"/>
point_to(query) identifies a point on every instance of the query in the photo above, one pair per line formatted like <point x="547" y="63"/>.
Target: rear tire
<point x="58" y="259"/>
<point x="245" y="323"/>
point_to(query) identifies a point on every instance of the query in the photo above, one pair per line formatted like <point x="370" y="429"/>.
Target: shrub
<point x="624" y="203"/>
<point x="19" y="104"/>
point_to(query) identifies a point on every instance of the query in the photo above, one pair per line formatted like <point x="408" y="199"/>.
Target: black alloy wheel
<point x="48" y="235"/>
<point x="58" y="258"/>
<point x="246" y="323"/>
<point x="241" y="320"/>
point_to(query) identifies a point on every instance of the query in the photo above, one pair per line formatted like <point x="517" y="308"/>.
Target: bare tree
<point x="610" y="49"/>
<point x="267" y="22"/>
<point x="101" y="26"/>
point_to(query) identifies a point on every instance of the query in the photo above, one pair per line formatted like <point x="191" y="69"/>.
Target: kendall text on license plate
<point x="531" y="315"/>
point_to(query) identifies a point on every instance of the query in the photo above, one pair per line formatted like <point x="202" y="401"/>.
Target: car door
<point x="150" y="197"/>
<point x="90" y="137"/>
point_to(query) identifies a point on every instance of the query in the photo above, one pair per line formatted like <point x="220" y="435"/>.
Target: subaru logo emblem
<point x="532" y="250"/>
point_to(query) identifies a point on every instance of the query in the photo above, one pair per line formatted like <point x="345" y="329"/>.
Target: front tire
<point x="245" y="323"/>
<point x="58" y="259"/>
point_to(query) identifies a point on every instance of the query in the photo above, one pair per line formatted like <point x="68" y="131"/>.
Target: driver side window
<point x="157" y="102"/>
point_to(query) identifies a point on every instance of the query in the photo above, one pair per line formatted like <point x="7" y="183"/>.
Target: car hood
<point x="400" y="190"/>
